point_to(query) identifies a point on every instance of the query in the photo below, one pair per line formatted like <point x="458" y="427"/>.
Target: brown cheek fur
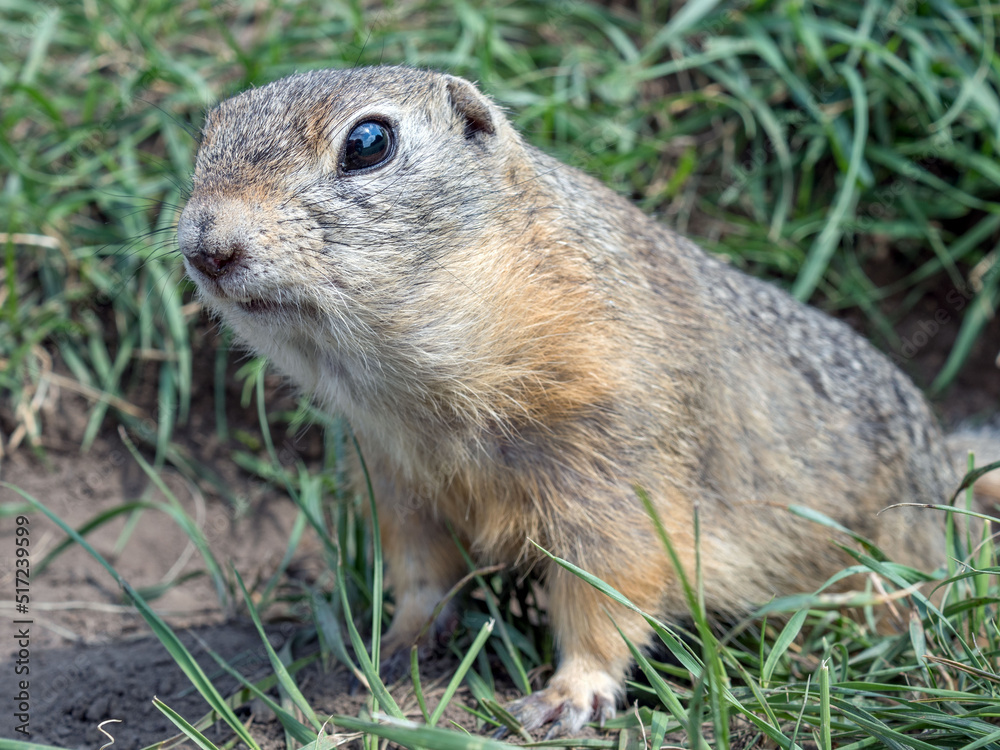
<point x="498" y="503"/>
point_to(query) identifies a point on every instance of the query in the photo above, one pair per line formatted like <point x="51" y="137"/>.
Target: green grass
<point x="815" y="143"/>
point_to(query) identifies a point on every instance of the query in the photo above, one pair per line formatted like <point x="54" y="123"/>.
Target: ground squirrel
<point x="518" y="349"/>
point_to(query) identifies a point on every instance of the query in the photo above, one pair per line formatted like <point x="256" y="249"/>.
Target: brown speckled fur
<point x="517" y="348"/>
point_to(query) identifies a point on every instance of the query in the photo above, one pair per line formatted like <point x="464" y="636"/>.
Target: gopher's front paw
<point x="399" y="641"/>
<point x="570" y="701"/>
<point x="396" y="663"/>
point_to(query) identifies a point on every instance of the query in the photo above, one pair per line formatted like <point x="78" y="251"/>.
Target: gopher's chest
<point x="497" y="526"/>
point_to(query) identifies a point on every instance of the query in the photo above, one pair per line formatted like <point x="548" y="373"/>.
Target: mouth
<point x="290" y="310"/>
<point x="251" y="305"/>
<point x="258" y="306"/>
<point x="284" y="305"/>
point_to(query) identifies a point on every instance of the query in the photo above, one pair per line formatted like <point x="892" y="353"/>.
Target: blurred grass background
<point x="848" y="151"/>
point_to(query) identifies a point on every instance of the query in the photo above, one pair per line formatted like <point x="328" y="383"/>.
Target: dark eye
<point x="368" y="145"/>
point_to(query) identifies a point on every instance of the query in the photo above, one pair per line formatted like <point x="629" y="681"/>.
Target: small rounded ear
<point x="471" y="106"/>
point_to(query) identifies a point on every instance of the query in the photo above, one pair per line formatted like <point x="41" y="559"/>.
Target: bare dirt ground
<point x="91" y="658"/>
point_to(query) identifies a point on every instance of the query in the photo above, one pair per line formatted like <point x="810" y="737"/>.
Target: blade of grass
<point x="781" y="644"/>
<point x="299" y="731"/>
<point x="193" y="734"/>
<point x="663" y="690"/>
<point x="368" y="669"/>
<point x="459" y="675"/>
<point x="85" y="528"/>
<point x="412" y="735"/>
<point x="174" y="508"/>
<point x="818" y="257"/>
<point x="826" y="740"/>
<point x="284" y="678"/>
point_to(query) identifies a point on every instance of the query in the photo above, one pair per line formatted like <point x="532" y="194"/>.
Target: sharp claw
<point x="557" y="709"/>
<point x="354" y="685"/>
<point x="395" y="666"/>
<point x="603" y="710"/>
